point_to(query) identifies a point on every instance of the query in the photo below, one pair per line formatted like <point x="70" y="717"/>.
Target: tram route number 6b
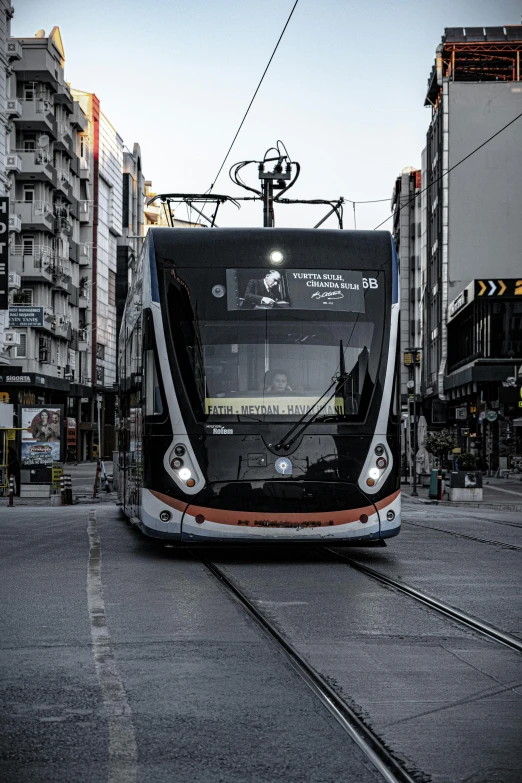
<point x="370" y="282"/>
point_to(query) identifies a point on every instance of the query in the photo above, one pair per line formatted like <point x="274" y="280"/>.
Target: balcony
<point x="35" y="165"/>
<point x="64" y="182"/>
<point x="13" y="108"/>
<point x="63" y="225"/>
<point x="13" y="50"/>
<point x="37" y="65"/>
<point x="15" y="222"/>
<point x="63" y="96"/>
<point x="83" y="343"/>
<point x="35" y="215"/>
<point x="84" y="254"/>
<point x="64" y="137"/>
<point x="78" y="118"/>
<point x="84" y="168"/>
<point x="85" y="211"/>
<point x="83" y="300"/>
<point x="61" y="274"/>
<point x="37" y="115"/>
<point x="36" y="265"/>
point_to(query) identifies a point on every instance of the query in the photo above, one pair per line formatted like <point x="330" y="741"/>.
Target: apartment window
<point x="83" y="146"/>
<point x="29" y="194"/>
<point x="23" y="297"/>
<point x="21" y="350"/>
<point x="28" y="246"/>
<point x="100" y="351"/>
<point x="29" y="92"/>
<point x="29" y="145"/>
<point x="112" y="287"/>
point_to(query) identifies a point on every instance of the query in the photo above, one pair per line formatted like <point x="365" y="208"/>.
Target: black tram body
<point x="260" y="407"/>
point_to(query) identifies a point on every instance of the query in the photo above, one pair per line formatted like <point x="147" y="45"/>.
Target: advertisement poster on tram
<point x="42" y="434"/>
<point x="297" y="289"/>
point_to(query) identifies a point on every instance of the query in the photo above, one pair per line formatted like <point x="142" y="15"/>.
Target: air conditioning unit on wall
<point x="11" y="338"/>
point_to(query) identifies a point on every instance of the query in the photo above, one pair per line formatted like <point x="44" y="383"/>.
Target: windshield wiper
<point x="339" y="381"/>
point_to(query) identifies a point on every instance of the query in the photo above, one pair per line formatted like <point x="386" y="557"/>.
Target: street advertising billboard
<point x="24" y="315"/>
<point x="42" y="434"/>
<point x="4" y="252"/>
<point x="296" y="289"/>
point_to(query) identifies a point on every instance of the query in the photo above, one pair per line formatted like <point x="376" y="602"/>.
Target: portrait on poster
<point x="41" y="435"/>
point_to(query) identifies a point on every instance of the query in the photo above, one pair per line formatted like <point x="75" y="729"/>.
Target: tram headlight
<point x="184" y="474"/>
<point x="276" y="257"/>
<point x="177" y="463"/>
<point x="374" y="473"/>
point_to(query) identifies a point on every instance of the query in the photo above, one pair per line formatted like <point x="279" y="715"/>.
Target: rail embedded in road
<point x="370" y="744"/>
<point x="447" y="610"/>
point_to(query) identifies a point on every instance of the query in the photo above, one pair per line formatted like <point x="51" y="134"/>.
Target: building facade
<point x="8" y="52"/>
<point x="43" y="165"/>
<point x="409" y="235"/>
<point x="470" y="253"/>
<point x="71" y="189"/>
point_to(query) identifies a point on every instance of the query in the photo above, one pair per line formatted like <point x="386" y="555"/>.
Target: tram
<point x="258" y="387"/>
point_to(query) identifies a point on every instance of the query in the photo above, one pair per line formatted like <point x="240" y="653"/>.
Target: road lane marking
<point x="123" y="751"/>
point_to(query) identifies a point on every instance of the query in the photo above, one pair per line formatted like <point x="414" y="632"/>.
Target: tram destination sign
<point x="4" y="252"/>
<point x="297" y="289"/>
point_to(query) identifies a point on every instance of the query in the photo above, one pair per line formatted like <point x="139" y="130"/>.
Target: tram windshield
<point x="251" y="360"/>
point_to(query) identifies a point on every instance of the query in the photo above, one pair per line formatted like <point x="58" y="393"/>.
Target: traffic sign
<point x="496" y="288"/>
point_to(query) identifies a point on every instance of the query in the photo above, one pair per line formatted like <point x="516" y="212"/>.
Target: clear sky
<point x="345" y="91"/>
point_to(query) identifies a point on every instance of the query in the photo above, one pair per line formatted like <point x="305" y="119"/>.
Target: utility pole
<point x="270" y="181"/>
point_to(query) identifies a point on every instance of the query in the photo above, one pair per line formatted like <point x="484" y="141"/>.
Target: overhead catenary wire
<point x="444" y="174"/>
<point x="254" y="96"/>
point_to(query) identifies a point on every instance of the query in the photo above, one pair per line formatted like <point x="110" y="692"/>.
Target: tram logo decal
<point x="221" y="430"/>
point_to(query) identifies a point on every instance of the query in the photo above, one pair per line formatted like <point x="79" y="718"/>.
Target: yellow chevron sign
<point x="497" y="287"/>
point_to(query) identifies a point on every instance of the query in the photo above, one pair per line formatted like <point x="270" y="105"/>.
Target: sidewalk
<point x="82" y="475"/>
<point x="500" y="493"/>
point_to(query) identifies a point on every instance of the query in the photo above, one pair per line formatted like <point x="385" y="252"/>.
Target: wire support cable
<point x="445" y="174"/>
<point x="254" y="96"/>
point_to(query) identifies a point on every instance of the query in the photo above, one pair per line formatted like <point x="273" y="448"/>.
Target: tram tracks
<point x="369" y="743"/>
<point x="503" y="544"/>
<point x="448" y="611"/>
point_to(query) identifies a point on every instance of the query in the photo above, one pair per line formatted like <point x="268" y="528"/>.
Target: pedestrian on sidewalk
<point x="13" y="468"/>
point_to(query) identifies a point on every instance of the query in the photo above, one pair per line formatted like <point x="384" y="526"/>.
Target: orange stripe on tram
<point x="252" y="518"/>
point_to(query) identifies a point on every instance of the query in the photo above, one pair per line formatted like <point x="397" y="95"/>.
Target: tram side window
<point x="153" y="404"/>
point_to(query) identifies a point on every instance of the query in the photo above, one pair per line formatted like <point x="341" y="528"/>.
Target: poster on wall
<point x="42" y="436"/>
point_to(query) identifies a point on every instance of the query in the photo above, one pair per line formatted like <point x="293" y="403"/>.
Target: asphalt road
<point x="124" y="661"/>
